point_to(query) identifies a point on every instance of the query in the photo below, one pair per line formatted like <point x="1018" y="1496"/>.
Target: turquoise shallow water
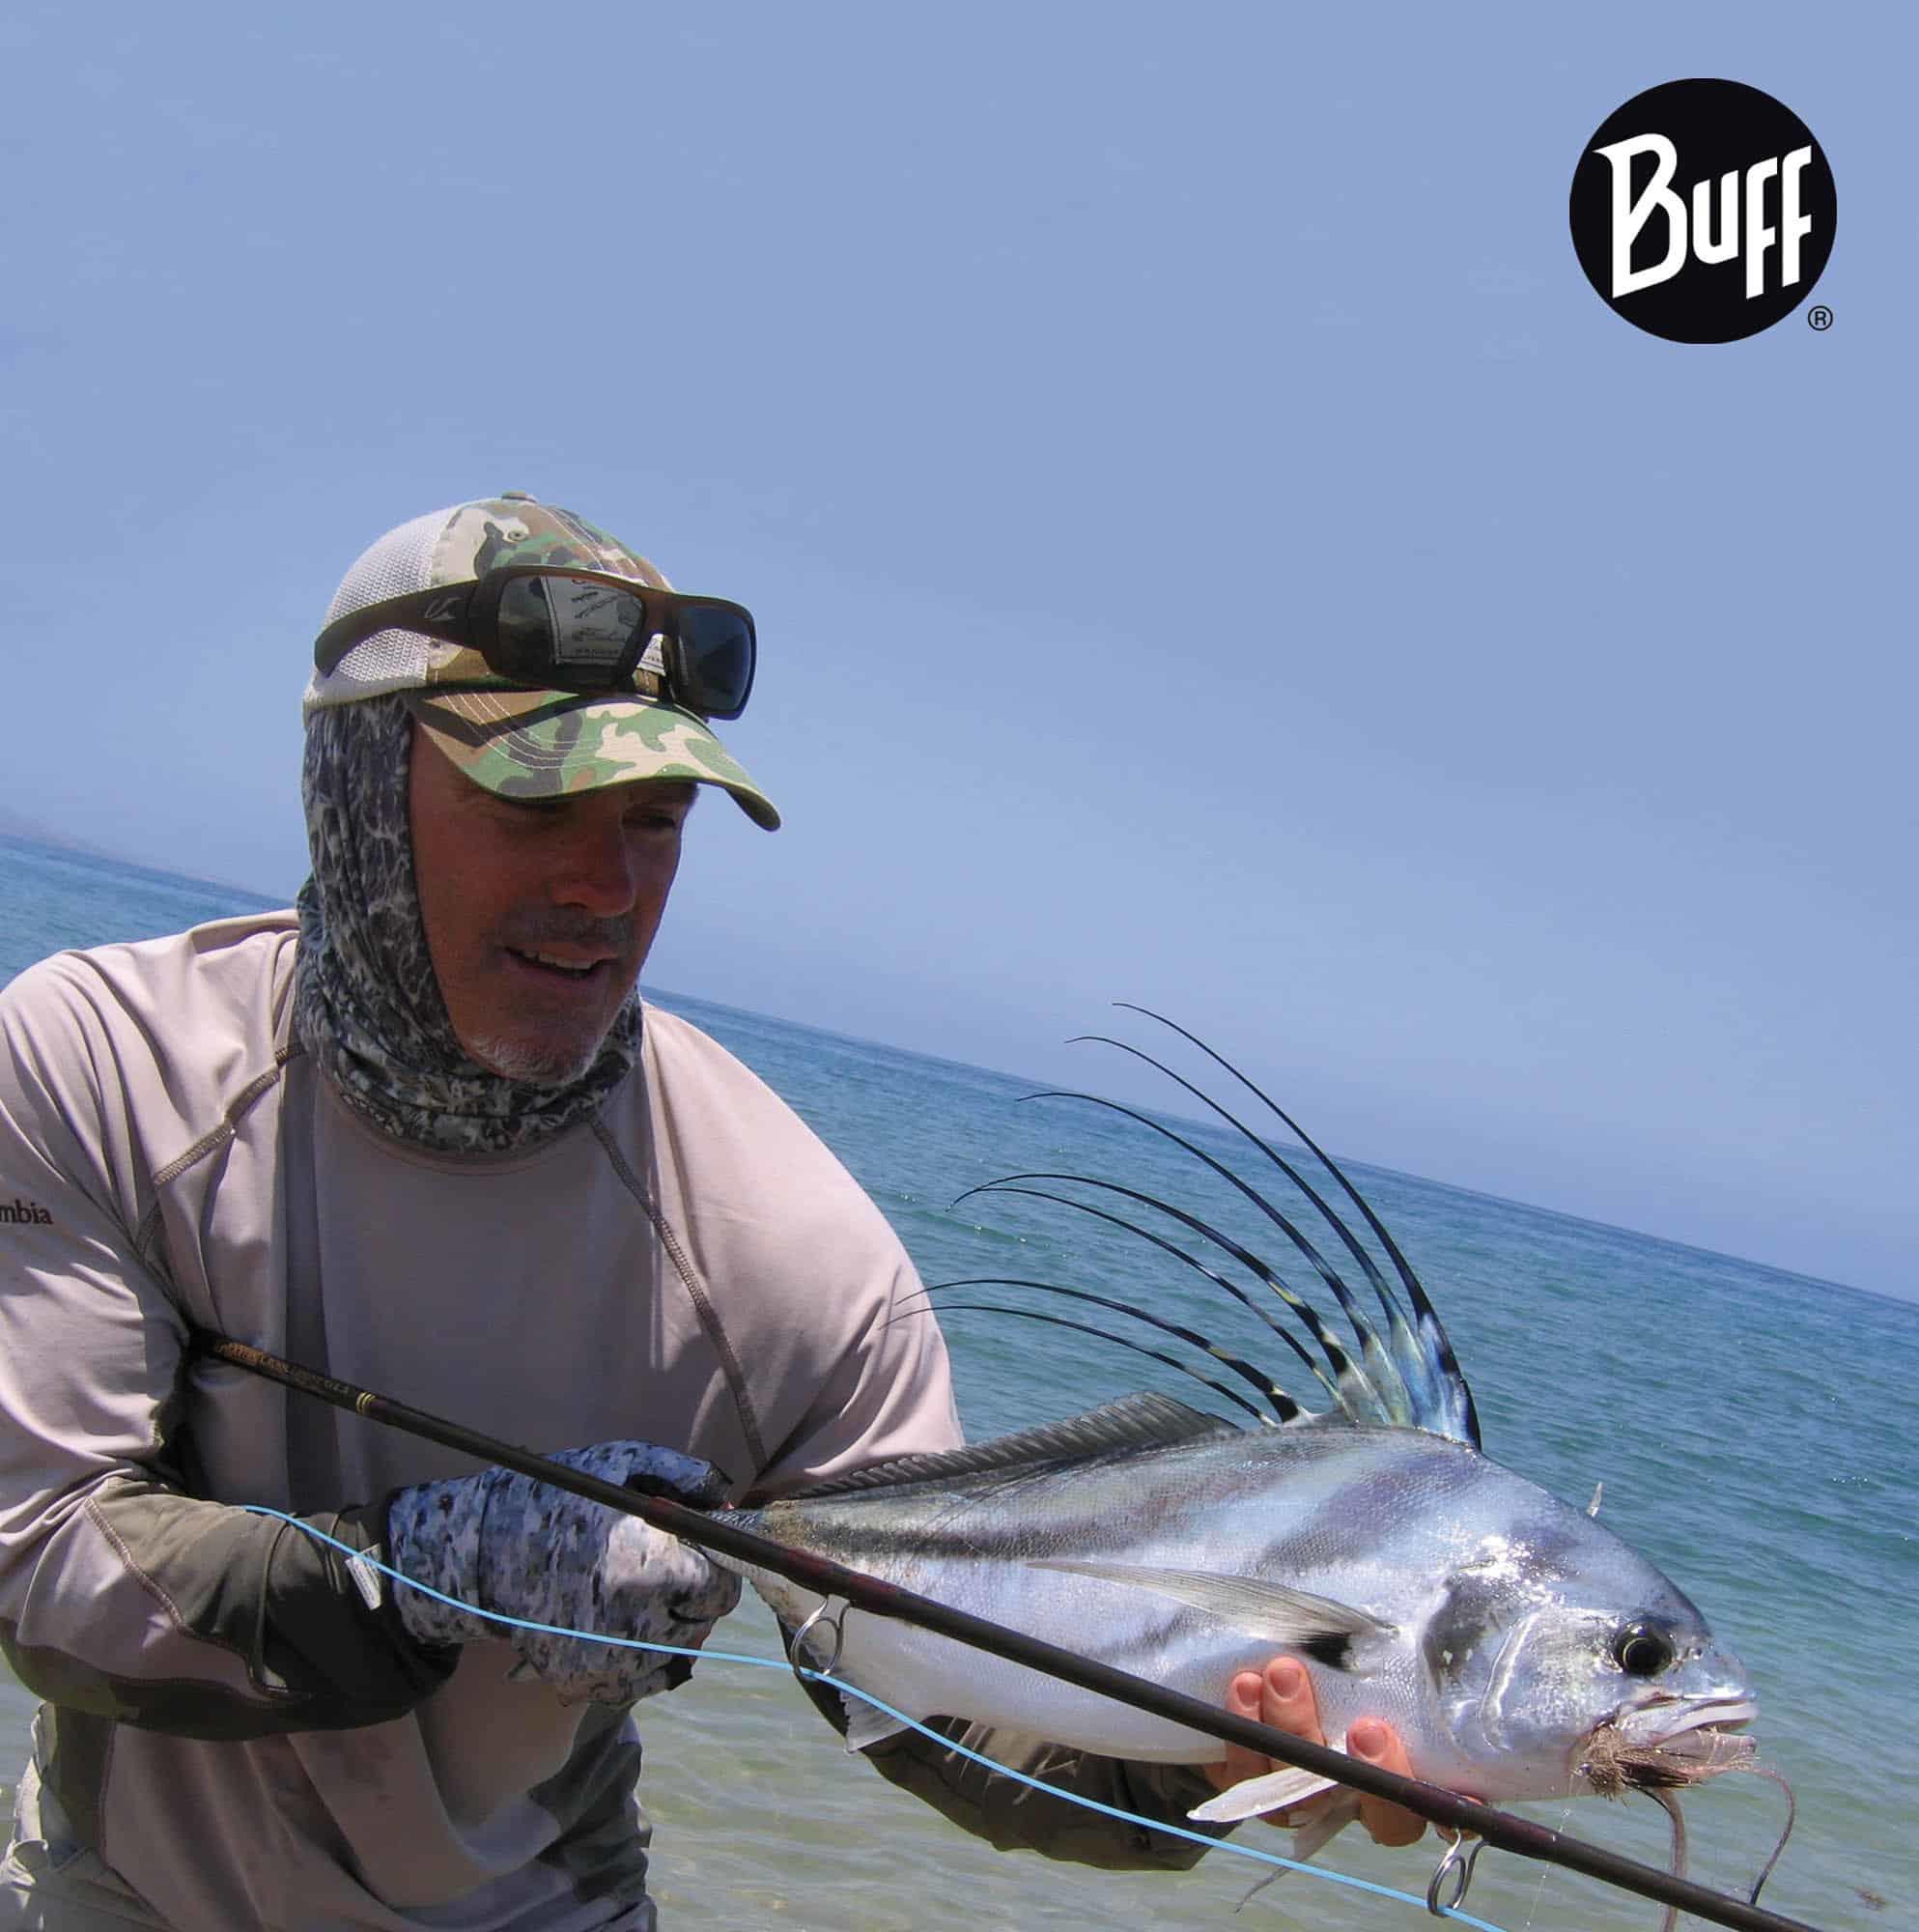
<point x="1752" y="1431"/>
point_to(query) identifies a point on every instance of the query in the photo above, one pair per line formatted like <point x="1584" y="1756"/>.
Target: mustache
<point x="529" y="932"/>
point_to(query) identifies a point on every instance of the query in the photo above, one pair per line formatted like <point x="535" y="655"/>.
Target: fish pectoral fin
<point x="1252" y="1797"/>
<point x="1269" y="1611"/>
<point x="1326" y="1827"/>
<point x="866" y="1724"/>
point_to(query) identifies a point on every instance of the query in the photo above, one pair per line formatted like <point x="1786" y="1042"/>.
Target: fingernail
<point x="1289" y="1677"/>
<point x="1367" y="1739"/>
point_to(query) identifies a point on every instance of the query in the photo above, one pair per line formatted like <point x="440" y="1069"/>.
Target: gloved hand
<point x="504" y="1541"/>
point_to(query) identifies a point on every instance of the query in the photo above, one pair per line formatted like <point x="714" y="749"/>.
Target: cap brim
<point x="545" y="744"/>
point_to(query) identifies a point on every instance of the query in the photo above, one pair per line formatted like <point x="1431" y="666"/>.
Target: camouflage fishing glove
<point x="503" y="1542"/>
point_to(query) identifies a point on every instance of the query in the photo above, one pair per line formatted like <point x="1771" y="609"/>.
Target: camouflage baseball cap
<point x="514" y="741"/>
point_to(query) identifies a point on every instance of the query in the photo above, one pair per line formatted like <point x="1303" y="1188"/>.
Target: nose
<point x="598" y="870"/>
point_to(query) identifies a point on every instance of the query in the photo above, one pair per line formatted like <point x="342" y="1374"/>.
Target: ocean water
<point x="1753" y="1429"/>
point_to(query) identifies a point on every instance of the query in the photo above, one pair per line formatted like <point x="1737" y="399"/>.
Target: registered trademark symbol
<point x="1820" y="316"/>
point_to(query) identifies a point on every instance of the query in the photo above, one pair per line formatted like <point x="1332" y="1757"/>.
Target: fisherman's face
<point x="539" y="912"/>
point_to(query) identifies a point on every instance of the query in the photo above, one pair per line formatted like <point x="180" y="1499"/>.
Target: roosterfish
<point x="1520" y="1648"/>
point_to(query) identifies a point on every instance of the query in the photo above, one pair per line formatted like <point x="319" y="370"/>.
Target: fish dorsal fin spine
<point x="1145" y="1421"/>
<point x="1400" y="1372"/>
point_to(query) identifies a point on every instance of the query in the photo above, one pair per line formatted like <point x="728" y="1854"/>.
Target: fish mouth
<point x="1662" y="1723"/>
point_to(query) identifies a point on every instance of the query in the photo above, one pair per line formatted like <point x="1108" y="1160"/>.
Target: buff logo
<point x="30" y="1213"/>
<point x="1703" y="211"/>
<point x="1630" y="217"/>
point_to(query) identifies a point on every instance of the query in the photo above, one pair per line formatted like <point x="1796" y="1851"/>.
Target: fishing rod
<point x="1502" y="1829"/>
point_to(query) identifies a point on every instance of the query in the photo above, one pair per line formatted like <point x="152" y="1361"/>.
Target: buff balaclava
<point x="367" y="1006"/>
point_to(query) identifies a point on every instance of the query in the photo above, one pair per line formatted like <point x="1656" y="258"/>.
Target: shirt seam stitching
<point x="709" y="1318"/>
<point x="227" y="1128"/>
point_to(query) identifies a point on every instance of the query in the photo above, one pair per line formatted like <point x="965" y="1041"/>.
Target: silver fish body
<point x="1508" y="1636"/>
<point x="1418" y="1580"/>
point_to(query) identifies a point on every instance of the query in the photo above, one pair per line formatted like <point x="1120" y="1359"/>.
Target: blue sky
<point x="1211" y="546"/>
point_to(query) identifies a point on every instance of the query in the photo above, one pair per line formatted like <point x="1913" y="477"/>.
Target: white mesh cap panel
<point x="400" y="561"/>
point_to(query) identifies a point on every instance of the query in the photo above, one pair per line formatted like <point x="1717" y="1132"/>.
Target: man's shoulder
<point x="682" y="1056"/>
<point x="721" y="1135"/>
<point x="696" y="1083"/>
<point x="226" y="983"/>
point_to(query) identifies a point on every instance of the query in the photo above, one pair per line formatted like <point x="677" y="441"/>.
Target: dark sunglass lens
<point x="524" y="631"/>
<point x="716" y="660"/>
<point x="567" y="631"/>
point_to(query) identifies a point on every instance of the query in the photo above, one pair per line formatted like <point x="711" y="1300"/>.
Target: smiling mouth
<point x="579" y="970"/>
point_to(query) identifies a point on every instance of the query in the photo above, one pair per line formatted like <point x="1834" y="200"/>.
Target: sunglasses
<point x="552" y="627"/>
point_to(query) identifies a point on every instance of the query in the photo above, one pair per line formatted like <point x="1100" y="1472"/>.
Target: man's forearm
<point x="207" y="1620"/>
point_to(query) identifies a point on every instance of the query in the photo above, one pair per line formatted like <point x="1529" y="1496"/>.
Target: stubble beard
<point x="549" y="1061"/>
<point x="533" y="1065"/>
<point x="538" y="1062"/>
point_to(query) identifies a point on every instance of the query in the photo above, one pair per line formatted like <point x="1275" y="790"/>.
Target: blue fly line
<point x="361" y="1557"/>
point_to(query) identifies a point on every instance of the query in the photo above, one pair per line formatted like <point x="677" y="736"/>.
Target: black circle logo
<point x="1703" y="211"/>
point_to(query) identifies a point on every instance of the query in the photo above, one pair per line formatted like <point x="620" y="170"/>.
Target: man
<point x="420" y="1135"/>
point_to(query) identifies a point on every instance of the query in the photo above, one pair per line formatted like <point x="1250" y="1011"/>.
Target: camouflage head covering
<point x="511" y="739"/>
<point x="366" y="1004"/>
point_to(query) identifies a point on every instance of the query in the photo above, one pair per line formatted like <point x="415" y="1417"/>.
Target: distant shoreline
<point x="37" y="839"/>
<point x="13" y="825"/>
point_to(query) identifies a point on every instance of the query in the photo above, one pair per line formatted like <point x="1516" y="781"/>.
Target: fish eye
<point x="1641" y="1651"/>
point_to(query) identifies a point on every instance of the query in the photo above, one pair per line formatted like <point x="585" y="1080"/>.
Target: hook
<point x="1456" y="1862"/>
<point x="795" y="1650"/>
